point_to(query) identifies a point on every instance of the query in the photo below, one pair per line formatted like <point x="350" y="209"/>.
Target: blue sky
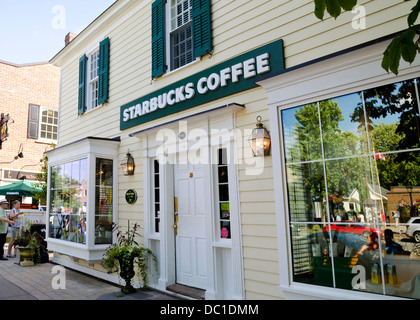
<point x="34" y="30"/>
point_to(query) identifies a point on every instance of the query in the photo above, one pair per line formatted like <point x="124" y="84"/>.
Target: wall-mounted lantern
<point x="260" y="140"/>
<point x="128" y="165"/>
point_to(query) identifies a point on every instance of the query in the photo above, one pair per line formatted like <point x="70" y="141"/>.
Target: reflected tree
<point x="395" y="101"/>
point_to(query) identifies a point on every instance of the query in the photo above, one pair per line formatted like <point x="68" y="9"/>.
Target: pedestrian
<point x="15" y="230"/>
<point x="4" y="223"/>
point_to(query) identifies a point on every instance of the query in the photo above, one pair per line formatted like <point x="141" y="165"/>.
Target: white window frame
<point x="92" y="82"/>
<point x="340" y="75"/>
<point x="91" y="149"/>
<point x="169" y="31"/>
<point x="46" y="140"/>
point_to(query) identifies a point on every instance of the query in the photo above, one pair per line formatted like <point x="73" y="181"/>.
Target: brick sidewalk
<point x="35" y="283"/>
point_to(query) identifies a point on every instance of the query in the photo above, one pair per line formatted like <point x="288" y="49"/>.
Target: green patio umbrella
<point x="20" y="188"/>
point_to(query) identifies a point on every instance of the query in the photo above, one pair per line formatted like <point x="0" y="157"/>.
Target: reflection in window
<point x="103" y="201"/>
<point x="353" y="190"/>
<point x="68" y="201"/>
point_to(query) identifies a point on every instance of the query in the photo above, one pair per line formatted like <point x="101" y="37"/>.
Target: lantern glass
<point x="128" y="165"/>
<point x="260" y="141"/>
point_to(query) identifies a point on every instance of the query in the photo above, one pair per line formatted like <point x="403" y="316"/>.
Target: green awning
<point x="20" y="188"/>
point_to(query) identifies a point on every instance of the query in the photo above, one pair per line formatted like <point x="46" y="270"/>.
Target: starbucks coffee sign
<point x="224" y="79"/>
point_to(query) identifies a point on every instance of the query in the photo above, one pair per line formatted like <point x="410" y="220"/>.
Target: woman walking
<point x="15" y="230"/>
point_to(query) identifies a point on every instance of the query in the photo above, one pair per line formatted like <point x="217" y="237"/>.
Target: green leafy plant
<point x="405" y="44"/>
<point x="123" y="255"/>
<point x="33" y="240"/>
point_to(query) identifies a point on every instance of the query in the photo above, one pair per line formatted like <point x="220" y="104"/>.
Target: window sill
<point x="77" y="250"/>
<point x="46" y="141"/>
<point x="91" y="110"/>
<point x="227" y="244"/>
<point x="167" y="74"/>
<point x="299" y="291"/>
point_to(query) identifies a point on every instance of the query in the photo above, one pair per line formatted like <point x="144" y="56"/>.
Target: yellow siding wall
<point x="238" y="26"/>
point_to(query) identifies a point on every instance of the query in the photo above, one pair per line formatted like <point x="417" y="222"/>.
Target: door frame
<point x="163" y="243"/>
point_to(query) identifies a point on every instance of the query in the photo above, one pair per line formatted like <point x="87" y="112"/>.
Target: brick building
<point x="397" y="197"/>
<point x="29" y="95"/>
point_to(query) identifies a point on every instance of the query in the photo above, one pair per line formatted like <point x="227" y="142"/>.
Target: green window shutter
<point x="103" y="71"/>
<point x="201" y="24"/>
<point x="158" y="38"/>
<point x="82" y="84"/>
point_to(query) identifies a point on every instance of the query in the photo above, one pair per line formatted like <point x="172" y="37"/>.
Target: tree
<point x="404" y="45"/>
<point x="42" y="178"/>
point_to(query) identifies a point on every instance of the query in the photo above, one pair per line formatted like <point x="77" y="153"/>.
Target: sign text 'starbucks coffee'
<point x="230" y="77"/>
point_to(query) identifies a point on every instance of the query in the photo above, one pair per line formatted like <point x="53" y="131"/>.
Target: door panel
<point x="191" y="258"/>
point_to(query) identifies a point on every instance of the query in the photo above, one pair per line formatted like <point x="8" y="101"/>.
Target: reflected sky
<point x="344" y="126"/>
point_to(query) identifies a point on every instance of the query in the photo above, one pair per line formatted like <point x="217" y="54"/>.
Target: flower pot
<point x="27" y="254"/>
<point x="127" y="273"/>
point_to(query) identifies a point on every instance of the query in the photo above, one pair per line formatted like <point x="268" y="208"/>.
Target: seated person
<point x="392" y="247"/>
<point x="372" y="244"/>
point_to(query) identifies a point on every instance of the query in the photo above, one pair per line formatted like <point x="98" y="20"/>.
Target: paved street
<point x="35" y="283"/>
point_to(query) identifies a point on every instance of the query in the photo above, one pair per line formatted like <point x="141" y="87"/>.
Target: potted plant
<point x="124" y="255"/>
<point x="29" y="245"/>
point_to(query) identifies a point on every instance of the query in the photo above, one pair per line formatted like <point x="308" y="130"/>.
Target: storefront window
<point x="68" y="196"/>
<point x="103" y="201"/>
<point x="68" y="201"/>
<point x="353" y="190"/>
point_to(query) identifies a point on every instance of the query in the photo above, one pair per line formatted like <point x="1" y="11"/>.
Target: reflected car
<point x="413" y="228"/>
<point x="351" y="227"/>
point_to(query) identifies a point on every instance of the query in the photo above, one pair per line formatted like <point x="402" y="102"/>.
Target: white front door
<point x="191" y="257"/>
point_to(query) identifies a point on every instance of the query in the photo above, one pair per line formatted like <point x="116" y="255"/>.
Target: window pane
<point x="310" y="255"/>
<point x="181" y="43"/>
<point x="393" y="110"/>
<point x="75" y="173"/>
<point x="301" y="131"/>
<point x="57" y="174"/>
<point x="67" y="203"/>
<point x="223" y="192"/>
<point x="306" y="192"/>
<point x="342" y="136"/>
<point x="224" y="211"/>
<point x="351" y="191"/>
<point x="225" y="229"/>
<point x="223" y="174"/>
<point x="103" y="201"/>
<point x="83" y="172"/>
<point x="157" y="195"/>
<point x="67" y="174"/>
